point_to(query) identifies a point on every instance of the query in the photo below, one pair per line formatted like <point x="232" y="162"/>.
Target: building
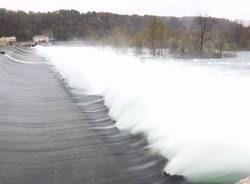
<point x="7" y="40"/>
<point x="41" y="39"/>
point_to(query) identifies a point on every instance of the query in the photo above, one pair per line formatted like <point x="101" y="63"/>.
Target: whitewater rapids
<point x="195" y="113"/>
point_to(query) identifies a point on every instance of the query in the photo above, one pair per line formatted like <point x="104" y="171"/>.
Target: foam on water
<point x="194" y="113"/>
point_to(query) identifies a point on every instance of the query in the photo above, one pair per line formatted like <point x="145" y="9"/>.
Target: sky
<point x="231" y="9"/>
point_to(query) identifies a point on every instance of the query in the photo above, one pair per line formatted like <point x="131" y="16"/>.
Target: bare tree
<point x="138" y="42"/>
<point x="152" y="29"/>
<point x="155" y="32"/>
<point x="238" y="30"/>
<point x="205" y="23"/>
<point x="222" y="38"/>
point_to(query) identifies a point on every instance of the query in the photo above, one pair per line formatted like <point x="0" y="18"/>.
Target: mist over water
<point x="194" y="112"/>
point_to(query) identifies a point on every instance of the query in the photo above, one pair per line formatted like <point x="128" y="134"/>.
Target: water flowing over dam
<point x="193" y="112"/>
<point x="50" y="134"/>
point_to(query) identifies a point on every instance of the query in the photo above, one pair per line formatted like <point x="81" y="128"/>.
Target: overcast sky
<point x="232" y="9"/>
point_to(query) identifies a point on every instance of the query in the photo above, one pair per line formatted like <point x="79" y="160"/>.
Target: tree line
<point x="205" y="36"/>
<point x="200" y="36"/>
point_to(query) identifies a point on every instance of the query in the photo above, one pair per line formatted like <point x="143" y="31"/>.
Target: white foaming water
<point x="194" y="113"/>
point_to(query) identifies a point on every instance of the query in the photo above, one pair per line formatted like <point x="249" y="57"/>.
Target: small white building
<point x="41" y="39"/>
<point x="7" y="40"/>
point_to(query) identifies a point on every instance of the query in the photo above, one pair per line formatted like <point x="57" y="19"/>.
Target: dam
<point x="50" y="134"/>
